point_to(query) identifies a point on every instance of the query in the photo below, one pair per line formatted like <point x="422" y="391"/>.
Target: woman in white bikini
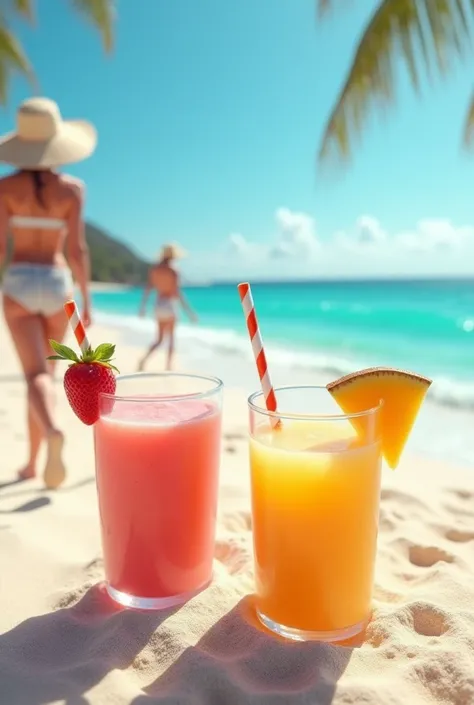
<point x="42" y="211"/>
<point x="164" y="279"/>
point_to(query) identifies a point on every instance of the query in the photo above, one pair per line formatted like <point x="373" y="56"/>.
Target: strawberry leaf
<point x="63" y="351"/>
<point x="106" y="363"/>
<point x="55" y="357"/>
<point x="104" y="352"/>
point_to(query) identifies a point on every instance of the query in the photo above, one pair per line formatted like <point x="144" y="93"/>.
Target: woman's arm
<point x="146" y="294"/>
<point x="77" y="250"/>
<point x="186" y="307"/>
<point x="4" y="218"/>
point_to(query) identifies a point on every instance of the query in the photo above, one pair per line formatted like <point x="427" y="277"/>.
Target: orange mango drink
<point x="315" y="483"/>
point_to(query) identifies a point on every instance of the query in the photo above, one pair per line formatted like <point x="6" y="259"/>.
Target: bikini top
<point x="27" y="221"/>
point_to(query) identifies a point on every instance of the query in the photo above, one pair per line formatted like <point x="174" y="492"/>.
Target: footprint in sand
<point x="462" y="494"/>
<point x="401" y="498"/>
<point x="403" y="506"/>
<point x="461" y="503"/>
<point x="428" y="620"/>
<point x="386" y="520"/>
<point x="427" y="556"/>
<point x="459" y="536"/>
<point x="376" y="635"/>
<point x="460" y="511"/>
<point x="234" y="556"/>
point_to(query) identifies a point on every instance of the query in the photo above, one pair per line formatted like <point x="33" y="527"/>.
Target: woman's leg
<point x="154" y="346"/>
<point x="54" y="327"/>
<point x="35" y="435"/>
<point x="28" y="334"/>
<point x="170" y="326"/>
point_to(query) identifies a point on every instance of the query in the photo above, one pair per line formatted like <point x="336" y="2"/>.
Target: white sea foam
<point x="198" y="342"/>
<point x="443" y="429"/>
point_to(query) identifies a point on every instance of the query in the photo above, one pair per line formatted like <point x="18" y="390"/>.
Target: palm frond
<point x="12" y="59"/>
<point x="101" y="13"/>
<point x="323" y="7"/>
<point x="428" y="34"/>
<point x="468" y="136"/>
<point x="23" y="7"/>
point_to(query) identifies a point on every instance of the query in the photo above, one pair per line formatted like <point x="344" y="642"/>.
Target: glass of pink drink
<point x="157" y="449"/>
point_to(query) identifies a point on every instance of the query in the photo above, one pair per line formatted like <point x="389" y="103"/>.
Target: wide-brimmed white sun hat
<point x="172" y="251"/>
<point x="44" y="140"/>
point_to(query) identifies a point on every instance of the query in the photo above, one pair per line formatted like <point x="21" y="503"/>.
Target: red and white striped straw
<point x="258" y="350"/>
<point x="77" y="325"/>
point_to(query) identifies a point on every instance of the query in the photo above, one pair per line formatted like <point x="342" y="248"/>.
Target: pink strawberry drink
<point x="157" y="461"/>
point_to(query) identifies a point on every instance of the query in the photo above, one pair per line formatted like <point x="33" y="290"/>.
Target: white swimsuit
<point x="39" y="288"/>
<point x="166" y="309"/>
<point x="32" y="221"/>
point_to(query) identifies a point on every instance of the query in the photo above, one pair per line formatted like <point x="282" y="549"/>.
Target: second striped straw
<point x="77" y="325"/>
<point x="248" y="306"/>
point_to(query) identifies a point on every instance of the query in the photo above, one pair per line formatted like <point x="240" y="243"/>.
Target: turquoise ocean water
<point x="334" y="327"/>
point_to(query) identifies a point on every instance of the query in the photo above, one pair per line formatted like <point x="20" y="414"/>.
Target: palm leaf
<point x="12" y="59"/>
<point x="12" y="56"/>
<point x="101" y="13"/>
<point x="428" y="35"/>
<point x="468" y="137"/>
<point x="23" y="7"/>
<point x="324" y="6"/>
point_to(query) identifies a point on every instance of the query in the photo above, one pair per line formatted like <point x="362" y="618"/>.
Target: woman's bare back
<point x="164" y="279"/>
<point x="61" y="196"/>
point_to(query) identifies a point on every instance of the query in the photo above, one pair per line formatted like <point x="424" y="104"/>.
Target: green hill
<point x="112" y="261"/>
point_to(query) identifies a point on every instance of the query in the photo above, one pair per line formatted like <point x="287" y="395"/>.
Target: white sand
<point x="66" y="642"/>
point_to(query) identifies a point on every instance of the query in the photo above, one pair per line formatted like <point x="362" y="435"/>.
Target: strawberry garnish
<point x="88" y="376"/>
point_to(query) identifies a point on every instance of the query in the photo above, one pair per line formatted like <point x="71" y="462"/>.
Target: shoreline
<point x="105" y="287"/>
<point x="234" y="364"/>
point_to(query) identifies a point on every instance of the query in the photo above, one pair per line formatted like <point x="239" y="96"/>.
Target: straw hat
<point x="44" y="140"/>
<point x="172" y="251"/>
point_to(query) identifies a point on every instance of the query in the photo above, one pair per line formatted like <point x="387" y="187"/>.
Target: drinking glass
<point x="157" y="449"/>
<point x="315" y="481"/>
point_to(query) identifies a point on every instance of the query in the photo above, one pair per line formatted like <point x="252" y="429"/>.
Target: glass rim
<point x="218" y="385"/>
<point x="306" y="417"/>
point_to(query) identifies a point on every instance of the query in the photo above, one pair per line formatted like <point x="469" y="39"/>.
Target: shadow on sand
<point x="238" y="662"/>
<point x="57" y="657"/>
<point x="30" y="506"/>
<point x="27" y="489"/>
<point x="61" y="656"/>
<point x="42" y="496"/>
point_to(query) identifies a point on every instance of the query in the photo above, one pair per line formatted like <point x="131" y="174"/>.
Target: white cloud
<point x="296" y="250"/>
<point x="369" y="231"/>
<point x="238" y="244"/>
<point x="295" y="238"/>
<point x="297" y="232"/>
<point x="281" y="250"/>
<point x="435" y="234"/>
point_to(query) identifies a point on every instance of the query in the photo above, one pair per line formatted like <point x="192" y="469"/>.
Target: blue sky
<point x="209" y="116"/>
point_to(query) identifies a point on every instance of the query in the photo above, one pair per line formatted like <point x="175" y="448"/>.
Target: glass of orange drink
<point x="315" y="484"/>
<point x="315" y="499"/>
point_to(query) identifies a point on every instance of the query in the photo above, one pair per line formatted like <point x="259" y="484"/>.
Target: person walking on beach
<point x="42" y="210"/>
<point x="164" y="279"/>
